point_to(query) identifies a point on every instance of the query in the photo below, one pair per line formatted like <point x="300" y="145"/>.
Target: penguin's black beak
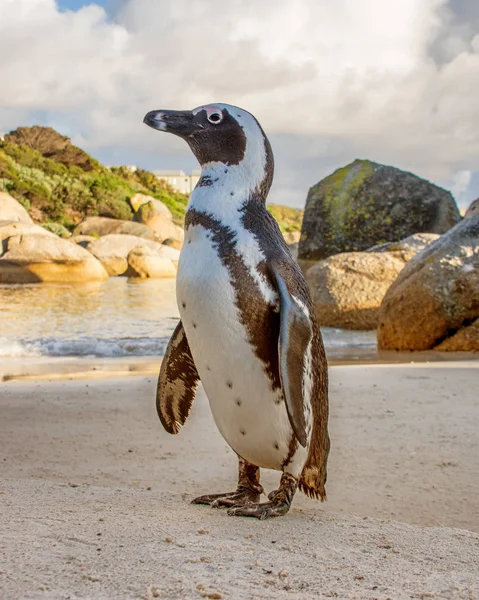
<point x="178" y="122"/>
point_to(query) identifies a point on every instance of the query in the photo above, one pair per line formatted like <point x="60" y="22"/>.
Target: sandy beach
<point x="95" y="495"/>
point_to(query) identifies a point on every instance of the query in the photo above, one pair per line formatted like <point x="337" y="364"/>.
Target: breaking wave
<point x="107" y="348"/>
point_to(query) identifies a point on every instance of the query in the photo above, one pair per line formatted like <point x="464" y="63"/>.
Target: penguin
<point x="248" y="329"/>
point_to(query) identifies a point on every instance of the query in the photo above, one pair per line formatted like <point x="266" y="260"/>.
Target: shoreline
<point x="90" y="367"/>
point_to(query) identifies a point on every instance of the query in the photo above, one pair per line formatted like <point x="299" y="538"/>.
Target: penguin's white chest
<point x="249" y="414"/>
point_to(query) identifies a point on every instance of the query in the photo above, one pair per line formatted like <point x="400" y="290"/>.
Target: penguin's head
<point x="220" y="133"/>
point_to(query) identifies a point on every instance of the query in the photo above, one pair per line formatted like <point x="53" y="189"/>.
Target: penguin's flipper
<point x="177" y="382"/>
<point x="294" y="337"/>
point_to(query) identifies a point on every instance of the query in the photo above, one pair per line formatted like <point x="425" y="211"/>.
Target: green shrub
<point x="57" y="229"/>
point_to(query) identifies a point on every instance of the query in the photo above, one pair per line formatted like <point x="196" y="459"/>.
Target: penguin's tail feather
<point x="313" y="477"/>
<point x="312" y="481"/>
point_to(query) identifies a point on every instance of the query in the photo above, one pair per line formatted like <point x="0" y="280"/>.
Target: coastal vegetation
<point x="60" y="184"/>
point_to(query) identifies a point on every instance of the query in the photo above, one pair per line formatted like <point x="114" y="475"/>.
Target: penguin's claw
<point x="260" y="511"/>
<point x="230" y="499"/>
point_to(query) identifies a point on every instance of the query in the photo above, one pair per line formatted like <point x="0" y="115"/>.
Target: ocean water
<point x="118" y="318"/>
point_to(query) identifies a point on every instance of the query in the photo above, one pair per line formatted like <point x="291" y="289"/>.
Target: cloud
<point x="396" y="82"/>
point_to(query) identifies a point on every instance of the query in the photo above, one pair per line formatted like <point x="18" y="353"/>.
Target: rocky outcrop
<point x="157" y="217"/>
<point x="365" y="203"/>
<point x="46" y="258"/>
<point x="113" y="251"/>
<point x="434" y="303"/>
<point x="100" y="226"/>
<point x="12" y="210"/>
<point x="156" y="206"/>
<point x="148" y="262"/>
<point x="347" y="289"/>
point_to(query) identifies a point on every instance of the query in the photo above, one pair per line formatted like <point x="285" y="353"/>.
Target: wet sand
<point x="95" y="500"/>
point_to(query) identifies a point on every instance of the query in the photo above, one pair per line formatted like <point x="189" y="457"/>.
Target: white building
<point x="179" y="180"/>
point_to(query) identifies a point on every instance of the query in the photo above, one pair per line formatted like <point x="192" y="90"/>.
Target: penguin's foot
<point x="260" y="511"/>
<point x="279" y="502"/>
<point x="248" y="491"/>
<point x="241" y="497"/>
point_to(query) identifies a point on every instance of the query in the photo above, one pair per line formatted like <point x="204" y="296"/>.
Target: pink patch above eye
<point x="210" y="110"/>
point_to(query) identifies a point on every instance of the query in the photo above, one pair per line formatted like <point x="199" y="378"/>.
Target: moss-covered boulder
<point x="365" y="203"/>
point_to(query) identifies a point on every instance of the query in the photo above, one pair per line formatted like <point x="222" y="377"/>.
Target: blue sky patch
<point x="76" y="4"/>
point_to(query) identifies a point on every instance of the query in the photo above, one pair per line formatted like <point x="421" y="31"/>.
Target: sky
<point x="395" y="82"/>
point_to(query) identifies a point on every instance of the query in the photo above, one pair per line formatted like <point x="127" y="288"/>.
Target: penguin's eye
<point x="215" y="118"/>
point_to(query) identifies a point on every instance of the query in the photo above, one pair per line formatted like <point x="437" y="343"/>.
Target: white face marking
<point x="244" y="178"/>
<point x="214" y="113"/>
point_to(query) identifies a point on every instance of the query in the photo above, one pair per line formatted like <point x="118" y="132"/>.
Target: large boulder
<point x="147" y="262"/>
<point x="166" y="230"/>
<point x="347" y="289"/>
<point x="12" y="210"/>
<point x="113" y="251"/>
<point x="100" y="226"/>
<point x="153" y="215"/>
<point x="434" y="302"/>
<point x="366" y="203"/>
<point x="46" y="258"/>
<point x="12" y="228"/>
<point x="465" y="340"/>
<point x="139" y="200"/>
